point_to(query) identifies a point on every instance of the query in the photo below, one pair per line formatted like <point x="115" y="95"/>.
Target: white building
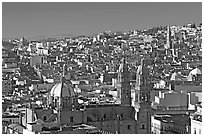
<point x="196" y="121"/>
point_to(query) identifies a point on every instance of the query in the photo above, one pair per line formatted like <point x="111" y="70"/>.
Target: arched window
<point x="194" y="130"/>
<point x="71" y="119"/>
<point x="143" y="126"/>
<point x="104" y="116"/>
<point x="128" y="127"/>
<point x="55" y="102"/>
<point x="44" y="118"/>
<point x="199" y="131"/>
<point x="121" y="115"/>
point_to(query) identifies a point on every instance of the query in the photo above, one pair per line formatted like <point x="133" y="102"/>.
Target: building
<point x="195" y="75"/>
<point x="180" y="101"/>
<point x="168" y="38"/>
<point x="6" y="86"/>
<point x="42" y="87"/>
<point x="170" y="124"/>
<point x="38" y="60"/>
<point x="63" y="109"/>
<point x="14" y="129"/>
<point x="161" y="124"/>
<point x="196" y="121"/>
<point x="11" y="118"/>
<point x="124" y="79"/>
<point x="162" y="99"/>
<point x="142" y="99"/>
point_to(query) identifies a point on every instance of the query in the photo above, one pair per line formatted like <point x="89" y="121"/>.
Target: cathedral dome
<point x="62" y="91"/>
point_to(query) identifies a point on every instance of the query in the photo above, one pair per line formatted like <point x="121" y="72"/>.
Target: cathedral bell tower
<point x="124" y="79"/>
<point x="143" y="108"/>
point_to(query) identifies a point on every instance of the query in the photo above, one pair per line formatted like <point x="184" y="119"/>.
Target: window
<point x="128" y="127"/>
<point x="162" y="128"/>
<point x="41" y="60"/>
<point x="104" y="116"/>
<point x="142" y="126"/>
<point x="44" y="118"/>
<point x="71" y="119"/>
<point x="89" y="119"/>
<point x="194" y="130"/>
<point x="55" y="102"/>
<point x="136" y="98"/>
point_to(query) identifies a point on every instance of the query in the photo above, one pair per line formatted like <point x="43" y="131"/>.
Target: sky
<point x="38" y="19"/>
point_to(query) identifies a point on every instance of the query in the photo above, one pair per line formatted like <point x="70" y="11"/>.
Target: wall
<point x="77" y="117"/>
<point x="155" y="125"/>
<point x="29" y="115"/>
<point x="199" y="95"/>
<point x="128" y="127"/>
<point x="196" y="126"/>
<point x="34" y="127"/>
<point x="10" y="65"/>
<point x="114" y="82"/>
<point x="193" y="98"/>
<point x="188" y="88"/>
<point x="116" y="126"/>
<point x="41" y="113"/>
<point x="181" y="123"/>
<point x="6" y="86"/>
<point x="157" y="100"/>
<point x="11" y="120"/>
<point x="144" y="120"/>
<point x="37" y="60"/>
<point x="108" y="116"/>
<point x="39" y="87"/>
<point x="175" y="100"/>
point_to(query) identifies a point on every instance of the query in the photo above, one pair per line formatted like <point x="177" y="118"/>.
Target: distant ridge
<point x="57" y="36"/>
<point x="40" y="37"/>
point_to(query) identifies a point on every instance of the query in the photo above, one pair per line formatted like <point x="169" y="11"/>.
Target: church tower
<point x="23" y="42"/>
<point x="21" y="45"/>
<point x="143" y="107"/>
<point x="124" y="79"/>
<point x="168" y="46"/>
<point x="168" y="38"/>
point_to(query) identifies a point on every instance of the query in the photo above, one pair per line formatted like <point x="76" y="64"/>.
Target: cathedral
<point x="142" y="93"/>
<point x="63" y="109"/>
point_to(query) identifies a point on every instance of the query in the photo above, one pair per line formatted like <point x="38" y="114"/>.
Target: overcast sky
<point x="36" y="19"/>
